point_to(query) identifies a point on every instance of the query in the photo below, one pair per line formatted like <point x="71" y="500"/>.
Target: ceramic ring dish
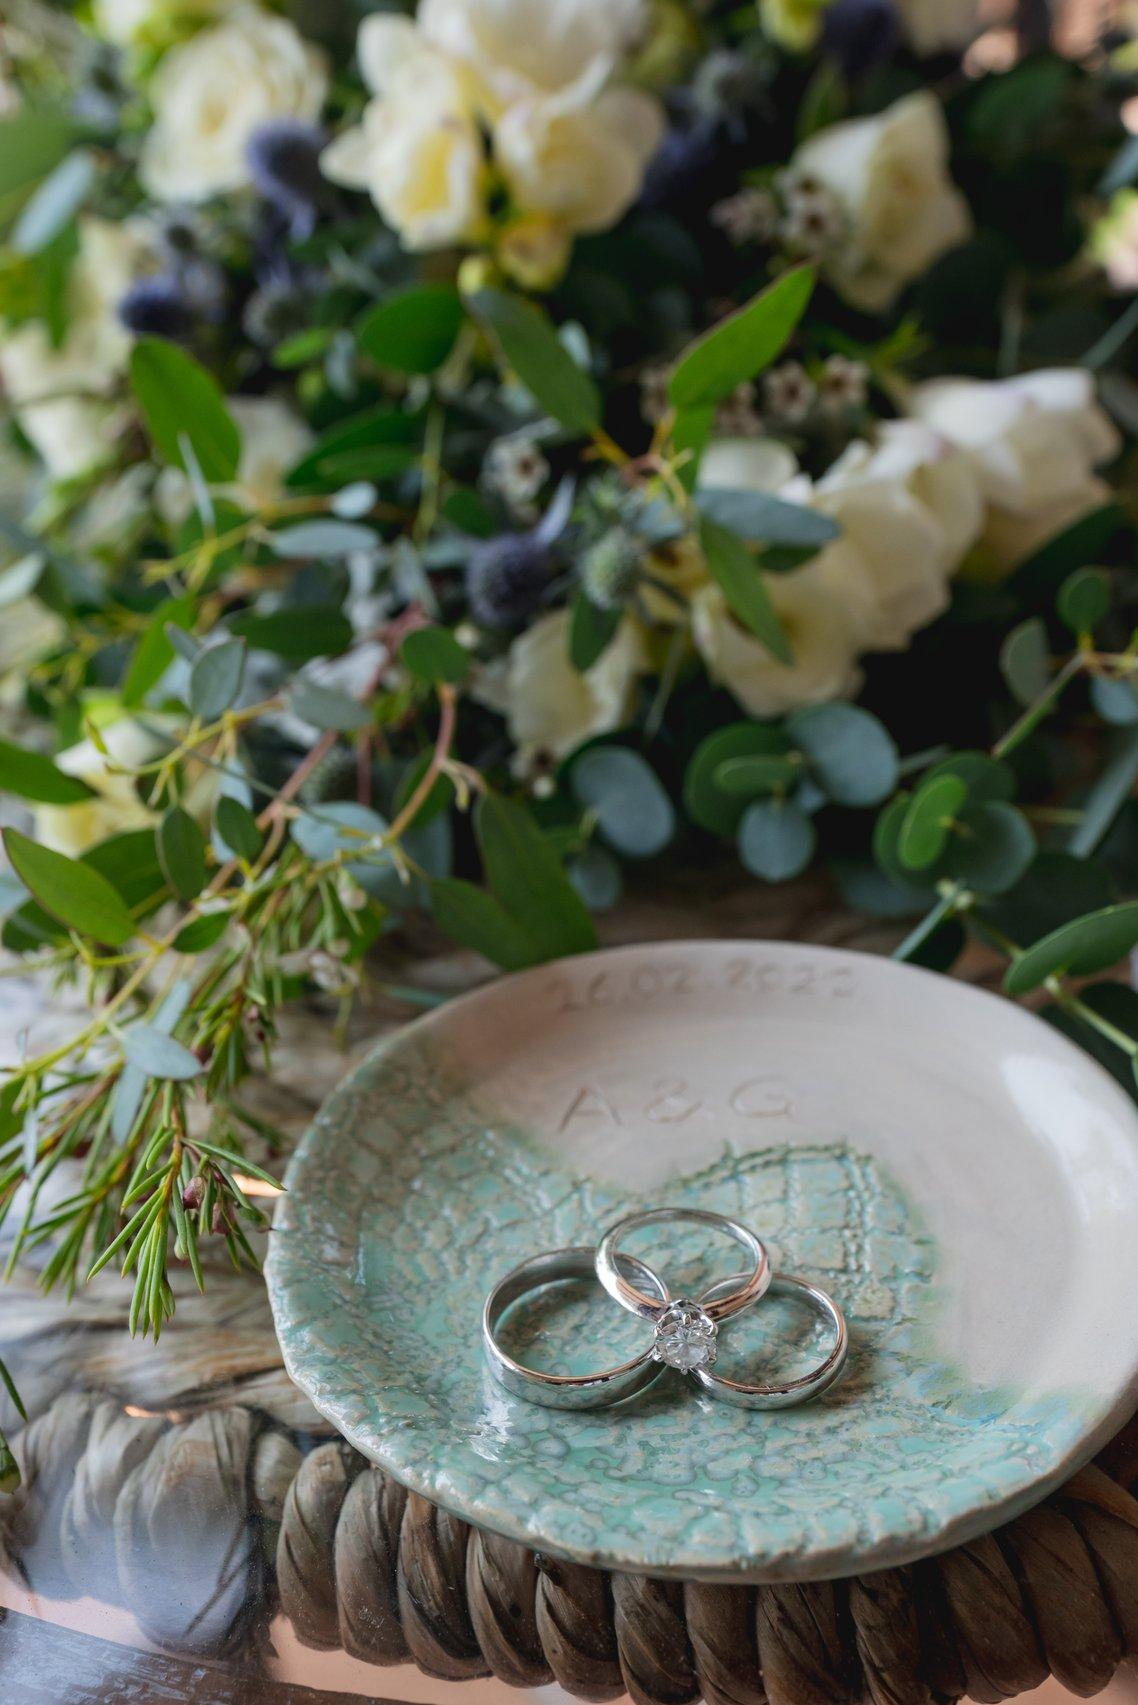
<point x="961" y="1178"/>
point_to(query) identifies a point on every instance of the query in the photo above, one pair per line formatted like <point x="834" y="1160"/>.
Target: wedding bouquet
<point x="454" y="455"/>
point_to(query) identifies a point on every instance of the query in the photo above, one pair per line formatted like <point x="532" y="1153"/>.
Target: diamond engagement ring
<point x="780" y="1394"/>
<point x="567" y="1391"/>
<point x="685" y="1330"/>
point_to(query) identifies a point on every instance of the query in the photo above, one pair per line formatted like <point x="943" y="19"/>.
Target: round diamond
<point x="685" y="1336"/>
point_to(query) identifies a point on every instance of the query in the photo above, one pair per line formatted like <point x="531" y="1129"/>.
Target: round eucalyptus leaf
<point x="1025" y="659"/>
<point x="887" y="850"/>
<point x="704" y="800"/>
<point x="595" y="875"/>
<point x="985" y="778"/>
<point x="1082" y="947"/>
<point x="339" y="826"/>
<point x="853" y="754"/>
<point x="993" y="849"/>
<point x="634" y="814"/>
<point x="928" y="821"/>
<point x="758" y="774"/>
<point x="864" y="887"/>
<point x="1084" y="599"/>
<point x="1057" y="888"/>
<point x="1116" y="701"/>
<point x="776" y="841"/>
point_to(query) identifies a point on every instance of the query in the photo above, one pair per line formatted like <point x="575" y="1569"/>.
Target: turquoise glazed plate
<point x="963" y="1179"/>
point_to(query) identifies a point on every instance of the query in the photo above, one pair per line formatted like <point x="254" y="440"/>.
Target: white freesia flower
<point x="579" y="160"/>
<point x="60" y="394"/>
<point x="1034" y="443"/>
<point x="549" y="706"/>
<point x="212" y="92"/>
<point x="418" y="151"/>
<point x="818" y="626"/>
<point x="138" y="23"/>
<point x="939" y="26"/>
<point x="519" y="49"/>
<point x="889" y="176"/>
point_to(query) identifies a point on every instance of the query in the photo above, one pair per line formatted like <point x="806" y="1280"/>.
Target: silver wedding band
<point x="566" y="1391"/>
<point x="782" y="1394"/>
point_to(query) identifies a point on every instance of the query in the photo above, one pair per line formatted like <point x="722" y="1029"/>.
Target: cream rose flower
<point x="519" y="49"/>
<point x="821" y="632"/>
<point x="936" y="471"/>
<point x="581" y="161"/>
<point x="1033" y="442"/>
<point x="211" y="93"/>
<point x="888" y="175"/>
<point x="60" y="394"/>
<point x="549" y="706"/>
<point x="939" y="26"/>
<point x="419" y="151"/>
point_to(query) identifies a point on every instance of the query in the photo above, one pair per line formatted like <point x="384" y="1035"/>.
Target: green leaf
<point x="985" y="778"/>
<point x="339" y="826"/>
<point x="238" y="828"/>
<point x="155" y="1054"/>
<point x="1056" y="889"/>
<point x="1084" y="599"/>
<point x="181" y="401"/>
<point x="740" y="347"/>
<point x="928" y="821"/>
<point x="754" y="775"/>
<point x="595" y="875"/>
<point x="1080" y="948"/>
<point x="476" y="919"/>
<point x="541" y="361"/>
<point x="414" y="330"/>
<point x="327" y="707"/>
<point x="70" y="890"/>
<point x="732" y="565"/>
<point x="591" y="630"/>
<point x="633" y="811"/>
<point x="525" y="875"/>
<point x="201" y="933"/>
<point x="776" y="840"/>
<point x="32" y="142"/>
<point x="1025" y="660"/>
<point x="852" y="754"/>
<point x="32" y="776"/>
<point x="1116" y="700"/>
<point x="375" y="429"/>
<point x="154" y="652"/>
<point x="299" y="633"/>
<point x="993" y="849"/>
<point x="1109" y="794"/>
<point x="215" y="678"/>
<point x="324" y="540"/>
<point x="1123" y="169"/>
<point x="766" y="520"/>
<point x="691" y="434"/>
<point x="433" y="655"/>
<point x="706" y="803"/>
<point x="181" y="853"/>
<point x="55" y="203"/>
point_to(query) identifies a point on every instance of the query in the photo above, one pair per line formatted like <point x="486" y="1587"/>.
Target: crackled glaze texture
<point x="465" y="1146"/>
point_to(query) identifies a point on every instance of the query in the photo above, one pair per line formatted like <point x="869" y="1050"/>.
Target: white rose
<point x="939" y="26"/>
<point x="932" y="468"/>
<point x="549" y="706"/>
<point x="419" y="151"/>
<point x="581" y="162"/>
<point x="1034" y="443"/>
<point x="73" y="430"/>
<point x="519" y="49"/>
<point x="821" y="634"/>
<point x="211" y="93"/>
<point x="747" y="464"/>
<point x="138" y="23"/>
<point x="889" y="177"/>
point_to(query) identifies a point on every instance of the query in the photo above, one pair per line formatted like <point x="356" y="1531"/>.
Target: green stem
<point x="1034" y="714"/>
<point x="946" y="907"/>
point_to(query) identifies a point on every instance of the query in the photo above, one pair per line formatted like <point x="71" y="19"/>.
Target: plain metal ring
<point x="748" y="1287"/>
<point x="566" y="1391"/>
<point x="785" y="1394"/>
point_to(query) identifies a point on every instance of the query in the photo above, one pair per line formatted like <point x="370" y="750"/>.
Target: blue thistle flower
<point x="508" y="577"/>
<point x="157" y="307"/>
<point x="860" y="33"/>
<point x="284" y="162"/>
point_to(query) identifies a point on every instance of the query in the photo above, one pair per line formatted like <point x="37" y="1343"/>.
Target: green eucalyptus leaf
<point x="706" y="803"/>
<point x="182" y="853"/>
<point x="591" y="630"/>
<point x="30" y="775"/>
<point x="633" y="811"/>
<point x="1116" y="700"/>
<point x="928" y="821"/>
<point x="852" y="754"/>
<point x="1110" y="792"/>
<point x="887" y="850"/>
<point x="479" y="921"/>
<point x="741" y="346"/>
<point x="762" y="519"/>
<point x="776" y="840"/>
<point x="154" y="652"/>
<point x="732" y="565"/>
<point x="1080" y="948"/>
<point x="157" y="1055"/>
<point x="70" y="890"/>
<point x="237" y="827"/>
<point x="596" y="876"/>
<point x="55" y="203"/>
<point x="201" y="933"/>
<point x="375" y="429"/>
<point x="749" y="776"/>
<point x="434" y="656"/>
<point x="181" y="402"/>
<point x="1056" y="889"/>
<point x="525" y="875"/>
<point x="986" y="779"/>
<point x="325" y="540"/>
<point x="541" y="361"/>
<point x="993" y="848"/>
<point x="1025" y="659"/>
<point x="340" y="826"/>
<point x="413" y="330"/>
<point x="1084" y="599"/>
<point x="299" y="633"/>
<point x="327" y="707"/>
<point x="215" y="678"/>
